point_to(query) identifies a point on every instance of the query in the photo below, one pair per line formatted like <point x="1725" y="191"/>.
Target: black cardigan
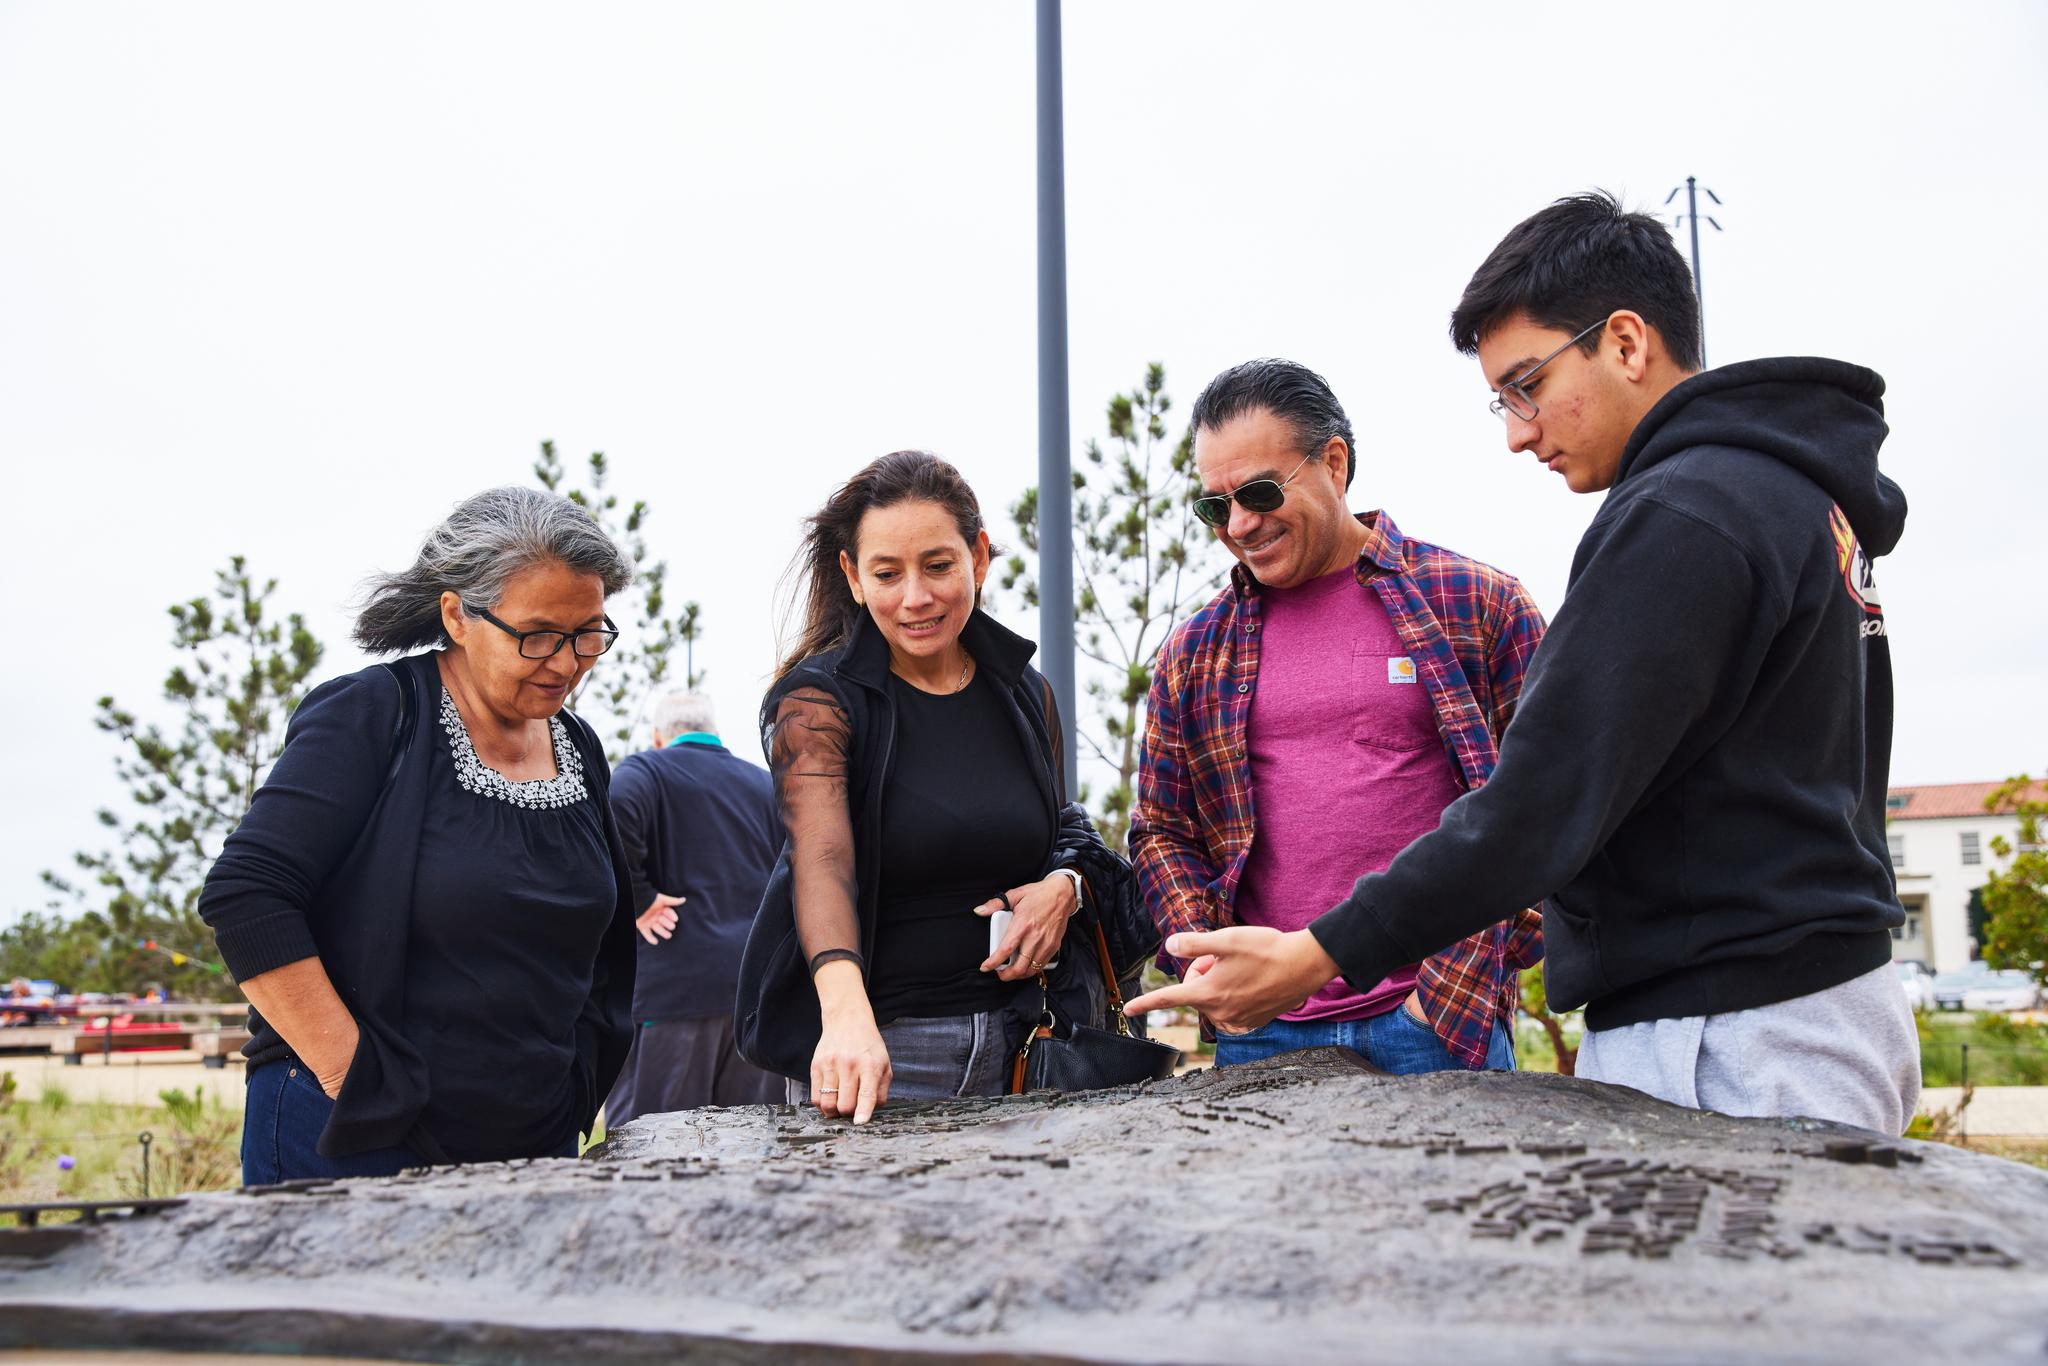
<point x="323" y="866"/>
<point x="776" y="1021"/>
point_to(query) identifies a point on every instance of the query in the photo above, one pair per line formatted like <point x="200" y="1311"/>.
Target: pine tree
<point x="1142" y="562"/>
<point x="238" y="675"/>
<point x="638" y="664"/>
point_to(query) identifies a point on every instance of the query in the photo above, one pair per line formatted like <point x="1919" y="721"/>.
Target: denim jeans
<point x="281" y="1123"/>
<point x="1393" y="1041"/>
<point x="940" y="1057"/>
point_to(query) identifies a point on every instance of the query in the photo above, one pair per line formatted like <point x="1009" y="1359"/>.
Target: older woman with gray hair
<point x="426" y="904"/>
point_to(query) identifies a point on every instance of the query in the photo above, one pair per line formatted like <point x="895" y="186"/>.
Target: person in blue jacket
<point x="427" y="904"/>
<point x="701" y="833"/>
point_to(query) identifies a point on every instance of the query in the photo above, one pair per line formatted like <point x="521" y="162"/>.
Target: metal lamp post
<point x="1055" y="478"/>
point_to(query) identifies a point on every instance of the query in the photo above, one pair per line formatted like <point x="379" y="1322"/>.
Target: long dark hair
<point x="829" y="611"/>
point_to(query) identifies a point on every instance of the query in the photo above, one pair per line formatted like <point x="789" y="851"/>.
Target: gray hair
<point x="679" y="713"/>
<point x="482" y="544"/>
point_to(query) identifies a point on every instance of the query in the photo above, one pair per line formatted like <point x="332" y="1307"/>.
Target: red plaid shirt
<point x="1471" y="631"/>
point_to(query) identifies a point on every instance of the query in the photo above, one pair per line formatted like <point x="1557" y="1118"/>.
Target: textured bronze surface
<point x="1301" y="1209"/>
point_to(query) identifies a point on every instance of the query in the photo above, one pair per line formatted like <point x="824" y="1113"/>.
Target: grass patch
<point x="57" y="1149"/>
<point x="2001" y="1051"/>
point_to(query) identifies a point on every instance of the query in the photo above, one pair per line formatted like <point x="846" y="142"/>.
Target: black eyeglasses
<point x="547" y="644"/>
<point x="1260" y="495"/>
<point x="1513" y="400"/>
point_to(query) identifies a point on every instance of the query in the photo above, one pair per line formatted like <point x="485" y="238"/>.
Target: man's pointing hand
<point x="1255" y="974"/>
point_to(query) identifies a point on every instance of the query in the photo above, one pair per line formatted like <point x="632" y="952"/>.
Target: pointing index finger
<point x="1179" y="994"/>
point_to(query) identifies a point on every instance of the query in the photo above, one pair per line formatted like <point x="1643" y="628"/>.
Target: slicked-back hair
<point x="486" y="540"/>
<point x="1293" y="393"/>
<point x="1571" y="265"/>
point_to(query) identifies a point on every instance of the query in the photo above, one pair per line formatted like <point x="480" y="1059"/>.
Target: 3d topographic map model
<point x="1301" y="1209"/>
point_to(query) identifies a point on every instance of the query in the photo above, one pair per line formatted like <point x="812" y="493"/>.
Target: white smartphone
<point x="999" y="930"/>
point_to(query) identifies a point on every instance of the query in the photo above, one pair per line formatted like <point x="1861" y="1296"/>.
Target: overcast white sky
<point x="289" y="281"/>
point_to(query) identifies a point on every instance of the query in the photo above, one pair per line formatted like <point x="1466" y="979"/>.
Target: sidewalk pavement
<point x="127" y="1078"/>
<point x="1994" y="1111"/>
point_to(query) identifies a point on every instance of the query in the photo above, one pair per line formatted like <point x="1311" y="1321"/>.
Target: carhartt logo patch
<point x="1400" y="669"/>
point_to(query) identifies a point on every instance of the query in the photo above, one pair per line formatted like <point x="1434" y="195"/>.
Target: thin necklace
<point x="957" y="687"/>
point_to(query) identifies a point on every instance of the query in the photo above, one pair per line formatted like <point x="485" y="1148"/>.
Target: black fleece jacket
<point x="775" y="1020"/>
<point x="1695" y="776"/>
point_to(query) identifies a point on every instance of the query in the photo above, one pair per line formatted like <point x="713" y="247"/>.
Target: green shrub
<point x="186" y="1112"/>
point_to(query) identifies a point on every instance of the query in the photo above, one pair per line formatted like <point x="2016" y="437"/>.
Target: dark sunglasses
<point x="1260" y="495"/>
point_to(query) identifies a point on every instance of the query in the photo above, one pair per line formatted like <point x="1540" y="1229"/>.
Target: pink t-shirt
<point x="1347" y="766"/>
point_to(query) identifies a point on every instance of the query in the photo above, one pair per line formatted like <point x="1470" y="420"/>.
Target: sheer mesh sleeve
<point x="807" y="746"/>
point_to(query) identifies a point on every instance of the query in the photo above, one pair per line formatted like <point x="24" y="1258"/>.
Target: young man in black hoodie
<point x="1695" y="778"/>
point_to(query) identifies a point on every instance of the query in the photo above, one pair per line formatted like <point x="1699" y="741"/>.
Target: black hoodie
<point x="1695" y="774"/>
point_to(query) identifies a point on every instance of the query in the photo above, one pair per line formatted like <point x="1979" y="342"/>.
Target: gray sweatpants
<point x="1849" y="1053"/>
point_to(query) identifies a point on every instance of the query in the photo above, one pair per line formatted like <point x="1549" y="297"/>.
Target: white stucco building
<point x="1941" y="848"/>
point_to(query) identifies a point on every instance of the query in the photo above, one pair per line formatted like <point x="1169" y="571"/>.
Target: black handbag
<point x="1063" y="1055"/>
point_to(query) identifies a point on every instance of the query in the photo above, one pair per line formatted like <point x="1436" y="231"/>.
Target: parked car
<point x="2003" y="991"/>
<point x="1950" y="986"/>
<point x="1918" y="983"/>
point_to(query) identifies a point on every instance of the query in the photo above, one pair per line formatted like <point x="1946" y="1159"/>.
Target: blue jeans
<point x="959" y="1055"/>
<point x="281" y="1124"/>
<point x="940" y="1057"/>
<point x="1393" y="1041"/>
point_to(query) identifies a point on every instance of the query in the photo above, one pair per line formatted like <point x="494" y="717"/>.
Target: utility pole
<point x="1055" y="478"/>
<point x="1692" y="216"/>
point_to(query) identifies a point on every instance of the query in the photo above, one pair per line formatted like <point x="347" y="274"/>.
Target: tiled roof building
<point x="1945" y="801"/>
<point x="1940" y="837"/>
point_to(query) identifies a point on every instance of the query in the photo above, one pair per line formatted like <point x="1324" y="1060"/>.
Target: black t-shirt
<point x="963" y="821"/>
<point x="512" y="896"/>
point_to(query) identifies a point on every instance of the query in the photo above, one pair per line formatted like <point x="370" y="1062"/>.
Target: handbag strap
<point x="401" y="729"/>
<point x="1116" y="995"/>
<point x="1043" y="1029"/>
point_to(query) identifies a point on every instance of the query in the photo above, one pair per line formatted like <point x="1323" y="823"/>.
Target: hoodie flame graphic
<point x="1854" y="564"/>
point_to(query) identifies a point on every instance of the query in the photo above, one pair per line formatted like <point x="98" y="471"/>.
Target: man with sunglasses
<point x="1696" y="777"/>
<point x="1357" y="681"/>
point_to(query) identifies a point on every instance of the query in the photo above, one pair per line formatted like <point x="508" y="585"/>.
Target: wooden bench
<point x="33" y="1038"/>
<point x="73" y="1045"/>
